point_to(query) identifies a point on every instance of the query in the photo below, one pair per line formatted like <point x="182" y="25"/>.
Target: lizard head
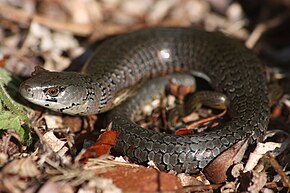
<point x="65" y="92"/>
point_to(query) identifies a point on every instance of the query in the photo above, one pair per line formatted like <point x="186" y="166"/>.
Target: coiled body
<point x="232" y="69"/>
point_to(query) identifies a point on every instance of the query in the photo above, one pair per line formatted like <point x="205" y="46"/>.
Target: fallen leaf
<point x="103" y="146"/>
<point x="141" y="179"/>
<point x="54" y="143"/>
<point x="216" y="171"/>
<point x="258" y="153"/>
<point x="24" y="167"/>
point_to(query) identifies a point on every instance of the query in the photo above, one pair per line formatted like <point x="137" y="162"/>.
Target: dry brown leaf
<point x="56" y="187"/>
<point x="53" y="142"/>
<point x="216" y="171"/>
<point x="261" y="149"/>
<point x="24" y="167"/>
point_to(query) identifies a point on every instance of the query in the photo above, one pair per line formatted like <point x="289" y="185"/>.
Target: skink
<point x="131" y="58"/>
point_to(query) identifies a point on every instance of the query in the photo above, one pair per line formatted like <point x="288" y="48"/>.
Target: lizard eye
<point x="53" y="91"/>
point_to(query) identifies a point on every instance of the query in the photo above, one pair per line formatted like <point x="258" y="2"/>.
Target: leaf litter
<point x="54" y="34"/>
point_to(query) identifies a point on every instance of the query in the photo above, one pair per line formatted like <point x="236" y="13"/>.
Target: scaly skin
<point x="125" y="60"/>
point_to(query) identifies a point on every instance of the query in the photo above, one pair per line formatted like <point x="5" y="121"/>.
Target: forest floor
<point x="40" y="150"/>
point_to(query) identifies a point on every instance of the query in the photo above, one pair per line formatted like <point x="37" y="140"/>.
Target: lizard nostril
<point x="25" y="89"/>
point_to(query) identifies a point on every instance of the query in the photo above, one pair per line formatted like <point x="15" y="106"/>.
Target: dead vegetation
<point x="55" y="34"/>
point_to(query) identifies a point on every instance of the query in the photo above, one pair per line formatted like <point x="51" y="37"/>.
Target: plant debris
<point x="41" y="151"/>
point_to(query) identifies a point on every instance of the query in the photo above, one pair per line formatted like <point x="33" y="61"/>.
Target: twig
<point x="79" y="29"/>
<point x="199" y="188"/>
<point x="261" y="28"/>
<point x="279" y="170"/>
<point x="20" y="16"/>
<point x="206" y="120"/>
